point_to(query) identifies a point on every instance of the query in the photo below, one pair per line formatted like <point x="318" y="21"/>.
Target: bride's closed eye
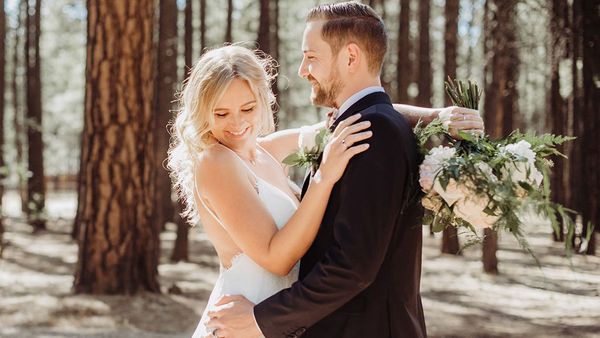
<point x="249" y="109"/>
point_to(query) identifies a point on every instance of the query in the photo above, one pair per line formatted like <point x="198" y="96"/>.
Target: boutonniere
<point x="311" y="144"/>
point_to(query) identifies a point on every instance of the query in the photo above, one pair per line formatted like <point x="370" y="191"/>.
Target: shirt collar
<point x="356" y="97"/>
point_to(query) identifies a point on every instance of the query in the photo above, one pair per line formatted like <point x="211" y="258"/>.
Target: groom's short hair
<point x="351" y="21"/>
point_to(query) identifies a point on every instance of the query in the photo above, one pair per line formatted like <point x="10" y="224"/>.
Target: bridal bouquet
<point x="477" y="182"/>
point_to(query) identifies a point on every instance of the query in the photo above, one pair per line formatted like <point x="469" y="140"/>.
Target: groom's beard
<point x="325" y="95"/>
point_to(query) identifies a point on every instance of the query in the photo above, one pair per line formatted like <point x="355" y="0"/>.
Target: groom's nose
<point x="303" y="69"/>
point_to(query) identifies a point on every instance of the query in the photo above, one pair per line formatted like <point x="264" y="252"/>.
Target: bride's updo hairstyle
<point x="208" y="80"/>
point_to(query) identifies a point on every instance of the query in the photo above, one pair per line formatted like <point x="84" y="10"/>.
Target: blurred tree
<point x="263" y="39"/>
<point x="2" y="90"/>
<point x="576" y="199"/>
<point x="228" y="29"/>
<point x="202" y="10"/>
<point x="403" y="66"/>
<point x="501" y="95"/>
<point x="166" y="80"/>
<point x="36" y="189"/>
<point x="180" y="249"/>
<point x="590" y="107"/>
<point x="17" y="111"/>
<point x="119" y="242"/>
<point x="275" y="54"/>
<point x="450" y="243"/>
<point x="425" y="71"/>
<point x="557" y="104"/>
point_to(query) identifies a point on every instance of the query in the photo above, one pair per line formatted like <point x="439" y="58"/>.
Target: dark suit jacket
<point x="361" y="276"/>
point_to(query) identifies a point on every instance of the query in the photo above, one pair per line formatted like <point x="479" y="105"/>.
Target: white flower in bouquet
<point x="307" y="139"/>
<point x="523" y="168"/>
<point x="432" y="164"/>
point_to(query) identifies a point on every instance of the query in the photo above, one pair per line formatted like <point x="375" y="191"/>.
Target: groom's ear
<point x="354" y="56"/>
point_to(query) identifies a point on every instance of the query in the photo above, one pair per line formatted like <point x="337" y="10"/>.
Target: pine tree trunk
<point x="17" y="110"/>
<point x="202" y="9"/>
<point x="450" y="244"/>
<point x="165" y="89"/>
<point x="264" y="26"/>
<point x="450" y="42"/>
<point x="591" y="117"/>
<point x="490" y="246"/>
<point x="403" y="65"/>
<point x="36" y="189"/>
<point x="188" y="35"/>
<point x="501" y="96"/>
<point x="228" y="29"/>
<point x="425" y="73"/>
<point x="557" y="106"/>
<point x="576" y="157"/>
<point x="2" y="90"/>
<point x="181" y="246"/>
<point x="119" y="243"/>
<point x="180" y="249"/>
<point x="275" y="55"/>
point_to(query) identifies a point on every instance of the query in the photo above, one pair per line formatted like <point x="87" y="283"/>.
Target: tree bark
<point x="490" y="246"/>
<point x="501" y="96"/>
<point x="180" y="249"/>
<point x="425" y="72"/>
<point x="228" y="29"/>
<point x="275" y="55"/>
<point x="181" y="246"/>
<point x="2" y="90"/>
<point x="264" y="27"/>
<point x="557" y="105"/>
<point x="202" y="10"/>
<point x="36" y="189"/>
<point x="188" y="34"/>
<point x="165" y="89"/>
<point x="591" y="118"/>
<point x="450" y="244"/>
<point x="17" y="110"/>
<point x="119" y="243"/>
<point x="450" y="42"/>
<point x="403" y="65"/>
<point x="575" y="158"/>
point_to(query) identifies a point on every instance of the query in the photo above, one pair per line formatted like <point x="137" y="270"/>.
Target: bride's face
<point x="237" y="116"/>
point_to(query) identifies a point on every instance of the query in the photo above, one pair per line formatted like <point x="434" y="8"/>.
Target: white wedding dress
<point x="245" y="277"/>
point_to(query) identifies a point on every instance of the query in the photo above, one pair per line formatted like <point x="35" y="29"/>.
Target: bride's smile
<point x="236" y="117"/>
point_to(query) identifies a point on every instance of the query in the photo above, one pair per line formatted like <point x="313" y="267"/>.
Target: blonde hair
<point x="208" y="80"/>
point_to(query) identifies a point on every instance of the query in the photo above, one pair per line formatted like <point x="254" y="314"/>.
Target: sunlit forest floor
<point x="36" y="275"/>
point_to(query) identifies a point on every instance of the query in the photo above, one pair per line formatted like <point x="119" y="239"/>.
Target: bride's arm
<point x="223" y="182"/>
<point x="284" y="142"/>
<point x="459" y="118"/>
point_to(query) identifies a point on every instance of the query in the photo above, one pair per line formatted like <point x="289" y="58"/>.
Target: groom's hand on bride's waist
<point x="233" y="317"/>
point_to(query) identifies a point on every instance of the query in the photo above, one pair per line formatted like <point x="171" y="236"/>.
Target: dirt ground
<point x="562" y="299"/>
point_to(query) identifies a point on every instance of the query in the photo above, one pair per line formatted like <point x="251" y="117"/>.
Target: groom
<point x="361" y="276"/>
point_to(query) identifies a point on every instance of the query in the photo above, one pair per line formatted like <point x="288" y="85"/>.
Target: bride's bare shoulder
<point x="217" y="161"/>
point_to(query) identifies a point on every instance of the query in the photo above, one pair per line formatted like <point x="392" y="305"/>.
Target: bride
<point x="226" y="166"/>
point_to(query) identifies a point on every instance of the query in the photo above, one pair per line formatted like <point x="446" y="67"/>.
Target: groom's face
<point x="319" y="66"/>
